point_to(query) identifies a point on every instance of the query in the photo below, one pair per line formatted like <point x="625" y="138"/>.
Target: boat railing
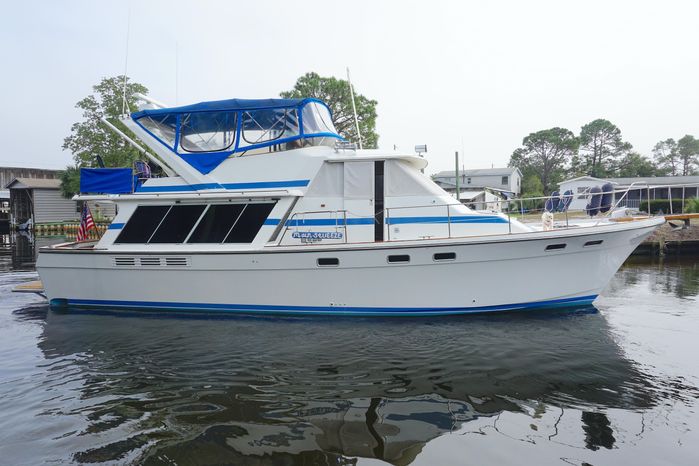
<point x="526" y="210"/>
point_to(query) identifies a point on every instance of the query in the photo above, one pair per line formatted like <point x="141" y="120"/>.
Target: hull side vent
<point x="149" y="261"/>
<point x="124" y="261"/>
<point x="176" y="261"/>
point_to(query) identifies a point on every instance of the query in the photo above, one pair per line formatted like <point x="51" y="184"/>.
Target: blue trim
<point x="395" y="220"/>
<point x="268" y="184"/>
<point x="321" y="310"/>
<point x="115" y="226"/>
<point x="453" y="219"/>
<point x="329" y="222"/>
<point x="272" y="221"/>
<point x="203" y="186"/>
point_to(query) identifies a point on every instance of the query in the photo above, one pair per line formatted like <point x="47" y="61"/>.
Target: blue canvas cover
<point x="106" y="180"/>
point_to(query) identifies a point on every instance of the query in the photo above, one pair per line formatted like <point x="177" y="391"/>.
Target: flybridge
<point x="207" y="133"/>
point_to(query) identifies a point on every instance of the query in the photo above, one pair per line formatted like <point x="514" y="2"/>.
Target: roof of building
<point x="478" y="172"/>
<point x="34" y="183"/>
<point x="650" y="180"/>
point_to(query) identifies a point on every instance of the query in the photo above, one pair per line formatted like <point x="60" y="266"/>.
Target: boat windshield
<point x="205" y="134"/>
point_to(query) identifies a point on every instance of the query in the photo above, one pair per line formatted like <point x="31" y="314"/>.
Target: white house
<point x="658" y="187"/>
<point x="507" y="180"/>
<point x="482" y="199"/>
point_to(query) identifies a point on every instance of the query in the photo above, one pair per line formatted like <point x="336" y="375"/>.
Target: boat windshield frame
<point x="224" y="129"/>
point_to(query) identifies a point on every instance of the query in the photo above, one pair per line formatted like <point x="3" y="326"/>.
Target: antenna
<point x="124" y="105"/>
<point x="177" y="72"/>
<point x="354" y="109"/>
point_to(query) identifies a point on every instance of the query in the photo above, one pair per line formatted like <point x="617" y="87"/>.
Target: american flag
<point x="86" y="223"/>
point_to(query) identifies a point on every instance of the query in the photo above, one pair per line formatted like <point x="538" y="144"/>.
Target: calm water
<point x="613" y="384"/>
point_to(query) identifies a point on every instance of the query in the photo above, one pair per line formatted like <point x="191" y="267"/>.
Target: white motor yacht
<point x="265" y="209"/>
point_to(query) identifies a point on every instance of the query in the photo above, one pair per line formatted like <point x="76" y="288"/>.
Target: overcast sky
<point x="471" y="76"/>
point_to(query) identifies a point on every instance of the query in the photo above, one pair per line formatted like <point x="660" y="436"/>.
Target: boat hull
<point x="499" y="273"/>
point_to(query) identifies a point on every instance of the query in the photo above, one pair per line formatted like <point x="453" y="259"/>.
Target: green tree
<point x="90" y="138"/>
<point x="667" y="157"/>
<point x="601" y="148"/>
<point x="634" y="164"/>
<point x="688" y="150"/>
<point x="70" y="181"/>
<point x="336" y="94"/>
<point x="545" y="154"/>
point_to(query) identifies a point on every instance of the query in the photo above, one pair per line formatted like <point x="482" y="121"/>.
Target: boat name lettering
<point x="315" y="236"/>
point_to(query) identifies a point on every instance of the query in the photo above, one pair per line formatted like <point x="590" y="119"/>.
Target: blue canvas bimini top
<point x="205" y="134"/>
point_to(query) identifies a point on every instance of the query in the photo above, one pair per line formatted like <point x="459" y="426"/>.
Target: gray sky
<point x="473" y="75"/>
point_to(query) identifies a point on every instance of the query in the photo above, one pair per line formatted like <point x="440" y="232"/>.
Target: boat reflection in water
<point x="302" y="391"/>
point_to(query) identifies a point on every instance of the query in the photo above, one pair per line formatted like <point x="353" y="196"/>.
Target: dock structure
<point x="38" y="204"/>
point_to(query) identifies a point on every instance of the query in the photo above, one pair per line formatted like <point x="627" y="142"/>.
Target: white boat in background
<point x="266" y="210"/>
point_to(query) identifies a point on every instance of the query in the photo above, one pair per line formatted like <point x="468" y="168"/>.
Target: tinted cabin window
<point x="216" y="224"/>
<point x="177" y="224"/>
<point x="399" y="258"/>
<point x="142" y="223"/>
<point x="249" y="223"/>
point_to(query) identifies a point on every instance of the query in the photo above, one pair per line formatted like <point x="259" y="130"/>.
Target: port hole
<point x="593" y="243"/>
<point x="444" y="256"/>
<point x="398" y="258"/>
<point x="328" y="262"/>
<point x="551" y="247"/>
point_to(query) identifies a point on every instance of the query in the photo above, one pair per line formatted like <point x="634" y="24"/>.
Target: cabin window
<point x="505" y="179"/>
<point x="444" y="256"/>
<point x="261" y="126"/>
<point x="177" y="224"/>
<point x="216" y="223"/>
<point x="207" y="131"/>
<point x="398" y="258"/>
<point x="328" y="262"/>
<point x="163" y="127"/>
<point x="248" y="225"/>
<point x="593" y="243"/>
<point x="317" y="119"/>
<point x="142" y="223"/>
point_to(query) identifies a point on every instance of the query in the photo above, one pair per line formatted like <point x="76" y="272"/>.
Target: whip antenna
<point x="354" y="109"/>
<point x="124" y="105"/>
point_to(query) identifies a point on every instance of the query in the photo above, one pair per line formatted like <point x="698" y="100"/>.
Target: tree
<point x="634" y="164"/>
<point x="336" y="94"/>
<point x="688" y="150"/>
<point x="666" y="156"/>
<point x="70" y="181"/>
<point x="91" y="138"/>
<point x="545" y="154"/>
<point x="601" y="147"/>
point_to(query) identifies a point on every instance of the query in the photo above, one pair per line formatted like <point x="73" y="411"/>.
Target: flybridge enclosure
<point x="205" y="134"/>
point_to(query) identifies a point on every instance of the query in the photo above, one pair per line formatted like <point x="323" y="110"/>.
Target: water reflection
<point x="309" y="391"/>
<point x="676" y="275"/>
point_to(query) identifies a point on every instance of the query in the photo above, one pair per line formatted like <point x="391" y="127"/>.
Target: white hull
<point x="489" y="273"/>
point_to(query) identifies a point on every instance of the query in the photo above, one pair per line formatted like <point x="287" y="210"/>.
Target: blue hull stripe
<point x="453" y="219"/>
<point x="321" y="310"/>
<point x="393" y="221"/>
<point x="203" y="186"/>
<point x="115" y="226"/>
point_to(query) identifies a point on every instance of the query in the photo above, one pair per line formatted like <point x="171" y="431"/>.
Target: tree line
<point x="549" y="156"/>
